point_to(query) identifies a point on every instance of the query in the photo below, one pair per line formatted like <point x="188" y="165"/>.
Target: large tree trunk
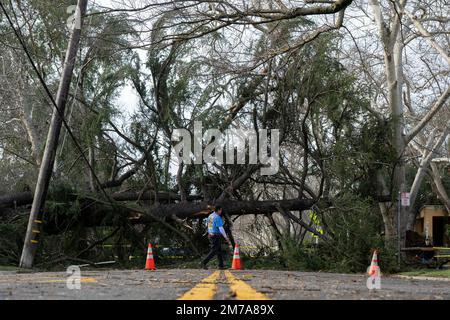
<point x="394" y="75"/>
<point x="387" y="210"/>
<point x="388" y="214"/>
<point x="16" y="199"/>
<point x="232" y="208"/>
<point x="101" y="214"/>
<point x="392" y="41"/>
<point x="443" y="196"/>
<point x="95" y="213"/>
<point x="26" y="198"/>
<point x="428" y="154"/>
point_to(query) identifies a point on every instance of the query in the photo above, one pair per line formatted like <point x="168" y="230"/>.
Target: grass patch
<point x="444" y="273"/>
<point x="8" y="268"/>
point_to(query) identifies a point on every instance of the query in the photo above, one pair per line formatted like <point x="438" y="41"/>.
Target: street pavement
<point x="199" y="284"/>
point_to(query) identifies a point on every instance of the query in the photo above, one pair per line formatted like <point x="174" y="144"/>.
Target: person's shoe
<point x="223" y="268"/>
<point x="203" y="266"/>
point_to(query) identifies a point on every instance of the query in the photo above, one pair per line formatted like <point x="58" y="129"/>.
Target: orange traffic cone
<point x="374" y="269"/>
<point x="150" y="263"/>
<point x="236" y="263"/>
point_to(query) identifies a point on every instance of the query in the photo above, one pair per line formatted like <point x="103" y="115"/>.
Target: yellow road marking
<point x="83" y="279"/>
<point x="204" y="290"/>
<point x="242" y="290"/>
<point x="45" y="280"/>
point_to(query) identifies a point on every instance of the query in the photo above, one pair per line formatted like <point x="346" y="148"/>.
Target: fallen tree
<point x="98" y="213"/>
<point x="95" y="212"/>
<point x="232" y="208"/>
<point x="16" y="199"/>
<point x="26" y="198"/>
<point x="131" y="208"/>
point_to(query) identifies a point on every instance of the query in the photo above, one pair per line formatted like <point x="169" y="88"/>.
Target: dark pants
<point x="215" y="243"/>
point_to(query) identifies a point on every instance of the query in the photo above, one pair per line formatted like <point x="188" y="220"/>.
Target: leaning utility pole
<point x="48" y="159"/>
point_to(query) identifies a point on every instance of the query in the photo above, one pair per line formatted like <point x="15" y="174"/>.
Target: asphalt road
<point x="195" y="284"/>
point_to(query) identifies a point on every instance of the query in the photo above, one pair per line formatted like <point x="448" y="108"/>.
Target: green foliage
<point x="445" y="273"/>
<point x="11" y="240"/>
<point x="354" y="230"/>
<point x="355" y="226"/>
<point x="62" y="203"/>
<point x="308" y="94"/>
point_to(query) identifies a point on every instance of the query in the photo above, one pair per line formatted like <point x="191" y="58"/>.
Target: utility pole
<point x="399" y="205"/>
<point x="48" y="159"/>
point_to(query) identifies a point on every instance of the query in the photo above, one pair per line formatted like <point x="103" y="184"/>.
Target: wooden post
<point x="48" y="159"/>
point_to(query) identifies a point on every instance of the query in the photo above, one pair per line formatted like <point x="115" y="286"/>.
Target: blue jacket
<point x="214" y="222"/>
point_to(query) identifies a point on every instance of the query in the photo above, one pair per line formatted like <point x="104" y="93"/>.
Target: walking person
<point x="215" y="232"/>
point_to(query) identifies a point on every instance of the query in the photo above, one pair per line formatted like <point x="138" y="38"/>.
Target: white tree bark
<point x="428" y="153"/>
<point x="443" y="195"/>
<point x="27" y="116"/>
<point x="392" y="42"/>
<point x="428" y="37"/>
<point x="393" y="45"/>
